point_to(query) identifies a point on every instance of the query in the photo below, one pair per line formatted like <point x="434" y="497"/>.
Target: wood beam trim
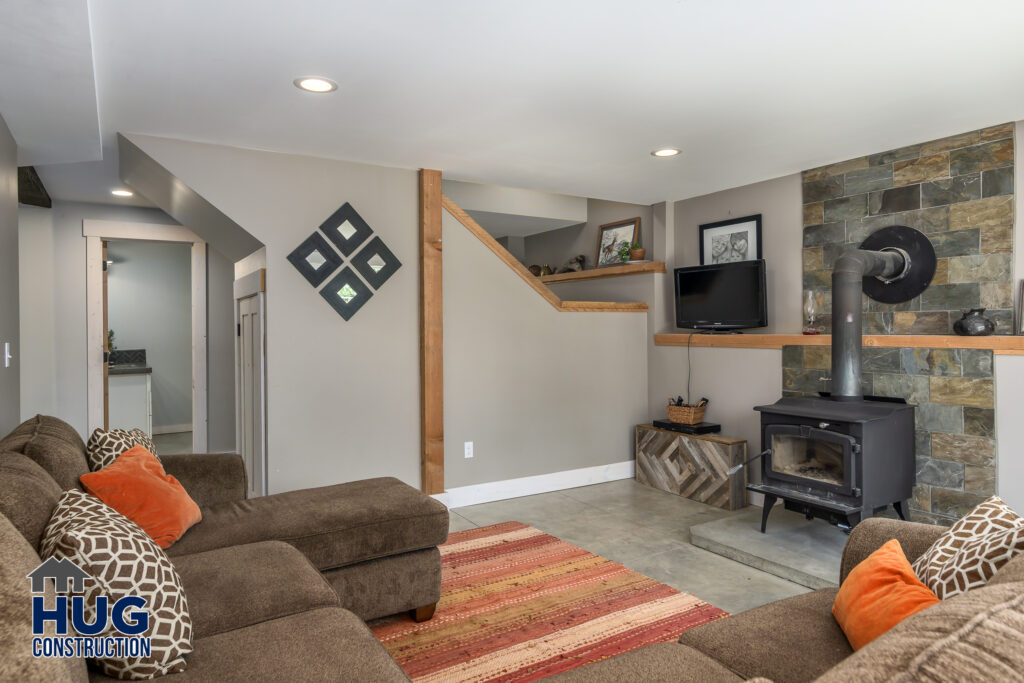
<point x="431" y="335"/>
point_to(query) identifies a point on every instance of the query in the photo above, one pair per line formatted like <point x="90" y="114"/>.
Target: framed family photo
<point x="737" y="239"/>
<point x="611" y="237"/>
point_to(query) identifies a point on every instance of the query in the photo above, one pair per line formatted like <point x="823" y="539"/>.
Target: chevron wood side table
<point x="692" y="465"/>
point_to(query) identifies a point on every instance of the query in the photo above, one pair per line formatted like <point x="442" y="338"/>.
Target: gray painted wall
<point x="555" y="247"/>
<point x="343" y="396"/>
<point x="537" y="391"/>
<point x="220" y="352"/>
<point x="52" y="258"/>
<point x="9" y="317"/>
<point x="149" y="306"/>
<point x="779" y="203"/>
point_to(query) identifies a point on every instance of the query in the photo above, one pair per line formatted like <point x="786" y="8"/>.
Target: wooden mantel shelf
<point x="1000" y="345"/>
<point x="607" y="271"/>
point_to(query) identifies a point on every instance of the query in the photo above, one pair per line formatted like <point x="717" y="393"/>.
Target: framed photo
<point x="737" y="239"/>
<point x="611" y="237"/>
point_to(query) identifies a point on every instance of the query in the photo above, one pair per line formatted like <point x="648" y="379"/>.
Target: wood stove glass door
<point x="811" y="457"/>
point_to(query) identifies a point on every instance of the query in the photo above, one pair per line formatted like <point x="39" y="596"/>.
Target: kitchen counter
<point x="129" y="369"/>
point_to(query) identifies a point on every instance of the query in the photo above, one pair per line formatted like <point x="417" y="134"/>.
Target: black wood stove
<point x="839" y="456"/>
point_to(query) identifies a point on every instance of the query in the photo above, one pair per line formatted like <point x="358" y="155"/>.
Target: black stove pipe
<point x="851" y="268"/>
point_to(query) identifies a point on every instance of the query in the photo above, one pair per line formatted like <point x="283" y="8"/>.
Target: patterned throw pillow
<point x="973" y="549"/>
<point x="122" y="560"/>
<point x="106" y="444"/>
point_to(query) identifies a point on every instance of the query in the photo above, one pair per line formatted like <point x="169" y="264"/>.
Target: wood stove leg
<point x="422" y="613"/>
<point x="769" y="502"/>
<point x="898" y="507"/>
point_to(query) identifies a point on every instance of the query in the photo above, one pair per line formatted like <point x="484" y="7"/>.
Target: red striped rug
<point x="519" y="605"/>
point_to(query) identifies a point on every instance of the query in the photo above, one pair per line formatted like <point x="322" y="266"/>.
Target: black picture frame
<point x="315" y="243"/>
<point x="718" y="237"/>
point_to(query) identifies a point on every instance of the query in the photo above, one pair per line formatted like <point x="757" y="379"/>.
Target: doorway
<point x="107" y="235"/>
<point x="250" y="377"/>
<point x="149" y="340"/>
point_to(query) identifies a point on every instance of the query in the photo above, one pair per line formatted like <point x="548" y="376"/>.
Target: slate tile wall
<point x="957" y="190"/>
<point x="953" y="391"/>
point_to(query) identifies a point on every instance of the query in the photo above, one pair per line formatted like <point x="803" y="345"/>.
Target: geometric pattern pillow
<point x="973" y="549"/>
<point x="122" y="560"/>
<point x="106" y="444"/>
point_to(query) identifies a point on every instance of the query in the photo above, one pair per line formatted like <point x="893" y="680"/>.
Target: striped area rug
<point x="519" y="605"/>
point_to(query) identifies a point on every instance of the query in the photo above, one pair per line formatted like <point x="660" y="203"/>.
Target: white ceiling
<point x="568" y="96"/>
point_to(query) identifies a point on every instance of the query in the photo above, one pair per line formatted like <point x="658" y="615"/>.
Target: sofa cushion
<point x="388" y="585"/>
<point x="122" y="561"/>
<point x="243" y="585"/>
<point x="107" y="445"/>
<point x="17" y="559"/>
<point x="57" y="448"/>
<point x="973" y="549"/>
<point x="795" y="639"/>
<point x="136" y="485"/>
<point x="661" y="663"/>
<point x="333" y="525"/>
<point x="329" y="644"/>
<point x="53" y="426"/>
<point x="975" y="637"/>
<point x="28" y="495"/>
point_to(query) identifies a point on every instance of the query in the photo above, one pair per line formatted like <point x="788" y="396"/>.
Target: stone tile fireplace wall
<point x="953" y="390"/>
<point x="957" y="190"/>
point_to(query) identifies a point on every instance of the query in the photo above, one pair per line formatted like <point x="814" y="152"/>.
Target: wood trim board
<point x="538" y="286"/>
<point x="1000" y="344"/>
<point x="431" y="335"/>
<point x="607" y="271"/>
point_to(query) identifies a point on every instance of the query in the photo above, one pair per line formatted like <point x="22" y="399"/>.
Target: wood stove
<point x="839" y="456"/>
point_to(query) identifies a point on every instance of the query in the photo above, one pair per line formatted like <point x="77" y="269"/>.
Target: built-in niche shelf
<point x="606" y="271"/>
<point x="1002" y="345"/>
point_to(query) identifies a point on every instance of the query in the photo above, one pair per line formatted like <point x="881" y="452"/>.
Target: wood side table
<point x="692" y="465"/>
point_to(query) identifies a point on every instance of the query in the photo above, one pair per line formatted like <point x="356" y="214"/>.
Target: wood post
<point x="431" y="336"/>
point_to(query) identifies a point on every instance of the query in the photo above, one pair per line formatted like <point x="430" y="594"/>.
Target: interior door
<point x="106" y="347"/>
<point x="252" y="443"/>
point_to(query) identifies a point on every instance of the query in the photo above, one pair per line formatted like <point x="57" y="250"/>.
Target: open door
<point x="250" y="373"/>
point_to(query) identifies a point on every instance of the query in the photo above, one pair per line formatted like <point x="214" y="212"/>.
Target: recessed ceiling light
<point x="122" y="193"/>
<point x="315" y="84"/>
<point x="666" y="152"/>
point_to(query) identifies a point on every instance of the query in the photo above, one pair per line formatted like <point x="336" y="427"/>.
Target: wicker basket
<point x="687" y="415"/>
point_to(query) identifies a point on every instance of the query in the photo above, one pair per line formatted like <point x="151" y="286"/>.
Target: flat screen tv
<point x="724" y="296"/>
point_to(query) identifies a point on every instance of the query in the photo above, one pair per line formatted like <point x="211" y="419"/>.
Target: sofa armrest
<point x="872" y="534"/>
<point x="210" y="478"/>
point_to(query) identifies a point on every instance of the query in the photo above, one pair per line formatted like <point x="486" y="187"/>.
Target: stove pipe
<point x="847" y="282"/>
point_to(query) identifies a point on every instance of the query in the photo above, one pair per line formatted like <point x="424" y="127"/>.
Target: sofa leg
<point x="422" y="613"/>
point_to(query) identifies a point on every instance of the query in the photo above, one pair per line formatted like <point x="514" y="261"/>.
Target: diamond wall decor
<point x="347" y="229"/>
<point x="346" y="293"/>
<point x="376" y="263"/>
<point x="317" y="260"/>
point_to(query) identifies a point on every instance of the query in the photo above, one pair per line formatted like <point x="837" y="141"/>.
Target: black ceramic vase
<point x="974" y="324"/>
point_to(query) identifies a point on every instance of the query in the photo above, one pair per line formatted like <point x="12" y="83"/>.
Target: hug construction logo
<point x="127" y="617"/>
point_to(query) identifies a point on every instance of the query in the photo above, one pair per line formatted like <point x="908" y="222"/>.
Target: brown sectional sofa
<point x="797" y="639"/>
<point x="278" y="587"/>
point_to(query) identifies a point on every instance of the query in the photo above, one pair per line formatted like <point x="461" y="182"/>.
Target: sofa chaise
<point x="278" y="587"/>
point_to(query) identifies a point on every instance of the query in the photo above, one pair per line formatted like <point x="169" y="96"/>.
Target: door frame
<point x="253" y="284"/>
<point x="95" y="232"/>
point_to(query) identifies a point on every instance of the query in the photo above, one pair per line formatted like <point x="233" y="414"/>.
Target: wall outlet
<point x="469" y="449"/>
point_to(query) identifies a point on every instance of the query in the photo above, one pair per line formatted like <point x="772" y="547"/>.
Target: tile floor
<point x="175" y="442"/>
<point x="643" y="529"/>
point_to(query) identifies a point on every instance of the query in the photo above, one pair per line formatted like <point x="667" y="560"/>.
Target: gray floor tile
<point x="457" y="522"/>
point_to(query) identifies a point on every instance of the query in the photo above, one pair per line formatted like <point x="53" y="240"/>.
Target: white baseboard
<point x="540" y="483"/>
<point x="173" y="429"/>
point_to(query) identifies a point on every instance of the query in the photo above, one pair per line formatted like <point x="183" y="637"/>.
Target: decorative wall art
<point x="317" y="259"/>
<point x="611" y="239"/>
<point x="736" y="239"/>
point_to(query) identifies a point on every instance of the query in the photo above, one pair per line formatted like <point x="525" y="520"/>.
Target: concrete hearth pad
<point x="802" y="551"/>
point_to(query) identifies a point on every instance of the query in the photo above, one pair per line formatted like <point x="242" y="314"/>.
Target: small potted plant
<point x="624" y="252"/>
<point x="636" y="252"/>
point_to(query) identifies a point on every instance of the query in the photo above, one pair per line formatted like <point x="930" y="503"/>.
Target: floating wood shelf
<point x="607" y="271"/>
<point x="1001" y="345"/>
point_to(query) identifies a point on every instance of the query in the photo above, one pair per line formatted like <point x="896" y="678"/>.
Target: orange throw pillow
<point x="879" y="593"/>
<point x="137" y="486"/>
